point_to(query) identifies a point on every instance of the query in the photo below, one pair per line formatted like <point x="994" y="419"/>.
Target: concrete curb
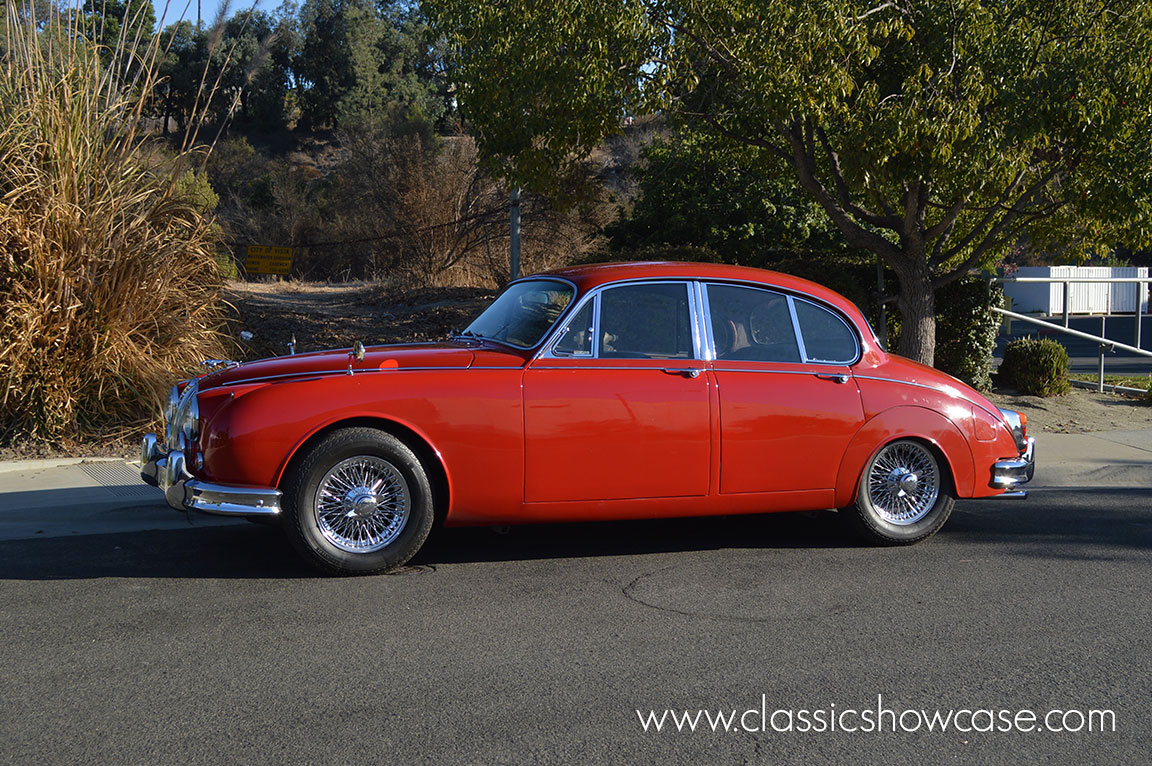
<point x="1108" y="387"/>
<point x="11" y="466"/>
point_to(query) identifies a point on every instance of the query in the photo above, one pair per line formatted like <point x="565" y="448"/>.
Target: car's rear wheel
<point x="358" y="502"/>
<point x="905" y="495"/>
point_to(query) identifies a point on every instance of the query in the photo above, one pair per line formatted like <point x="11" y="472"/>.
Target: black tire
<point x="892" y="509"/>
<point x="344" y="530"/>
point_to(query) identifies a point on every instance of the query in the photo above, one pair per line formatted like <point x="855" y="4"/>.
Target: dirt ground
<point x="1078" y="412"/>
<point x="323" y="316"/>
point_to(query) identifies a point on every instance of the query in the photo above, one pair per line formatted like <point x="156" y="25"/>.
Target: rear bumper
<point x="168" y="471"/>
<point x="1013" y="473"/>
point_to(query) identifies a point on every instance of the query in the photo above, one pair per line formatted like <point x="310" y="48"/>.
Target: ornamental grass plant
<point x="108" y="283"/>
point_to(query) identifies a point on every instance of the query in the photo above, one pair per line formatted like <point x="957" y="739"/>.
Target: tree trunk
<point x="917" y="303"/>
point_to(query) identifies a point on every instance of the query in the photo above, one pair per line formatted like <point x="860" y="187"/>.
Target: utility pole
<point x="514" y="236"/>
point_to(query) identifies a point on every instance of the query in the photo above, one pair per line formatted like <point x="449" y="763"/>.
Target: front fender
<point x="905" y="422"/>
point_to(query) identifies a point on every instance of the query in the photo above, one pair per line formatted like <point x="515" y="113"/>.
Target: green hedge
<point x="1036" y="366"/>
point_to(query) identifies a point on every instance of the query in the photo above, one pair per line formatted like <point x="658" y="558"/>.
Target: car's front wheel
<point x="904" y="495"/>
<point x="358" y="502"/>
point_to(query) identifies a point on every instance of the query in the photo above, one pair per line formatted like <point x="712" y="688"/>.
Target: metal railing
<point x="1104" y="345"/>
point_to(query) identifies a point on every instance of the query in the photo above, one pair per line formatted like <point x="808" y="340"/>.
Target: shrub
<point x="1036" y="366"/>
<point x="108" y="283"/>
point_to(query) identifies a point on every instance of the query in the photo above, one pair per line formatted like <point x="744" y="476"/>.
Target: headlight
<point x="1018" y="425"/>
<point x="190" y="422"/>
<point x="170" y="413"/>
<point x="184" y="427"/>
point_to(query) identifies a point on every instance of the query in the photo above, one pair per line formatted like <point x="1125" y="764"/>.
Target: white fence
<point x="1104" y="298"/>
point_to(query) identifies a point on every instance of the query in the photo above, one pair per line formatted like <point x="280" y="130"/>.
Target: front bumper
<point x="167" y="470"/>
<point x="1013" y="473"/>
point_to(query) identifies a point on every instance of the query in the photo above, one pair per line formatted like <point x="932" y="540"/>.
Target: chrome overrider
<point x="1012" y="473"/>
<point x="164" y="465"/>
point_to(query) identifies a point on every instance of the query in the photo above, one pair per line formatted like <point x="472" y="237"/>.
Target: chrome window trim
<point x="796" y="329"/>
<point x="549" y="349"/>
<point x="791" y="313"/>
<point x="557" y="332"/>
<point x="595" y="325"/>
<point x="792" y="297"/>
<point x="560" y="320"/>
<point x="562" y="332"/>
<point x="706" y="321"/>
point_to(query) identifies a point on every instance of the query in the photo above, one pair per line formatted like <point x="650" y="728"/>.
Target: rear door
<point x="788" y="402"/>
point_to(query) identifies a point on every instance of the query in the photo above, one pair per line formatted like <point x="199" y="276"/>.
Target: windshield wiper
<point x="467" y="336"/>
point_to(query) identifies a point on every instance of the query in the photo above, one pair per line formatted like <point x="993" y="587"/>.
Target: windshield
<point x="524" y="312"/>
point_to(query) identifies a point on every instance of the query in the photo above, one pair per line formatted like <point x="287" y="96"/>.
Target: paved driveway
<point x="212" y="643"/>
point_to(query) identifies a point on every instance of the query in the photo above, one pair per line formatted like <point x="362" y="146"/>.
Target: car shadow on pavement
<point x="1059" y="523"/>
<point x="223" y="552"/>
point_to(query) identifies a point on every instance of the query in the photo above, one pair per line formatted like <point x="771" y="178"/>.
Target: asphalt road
<point x="1083" y="355"/>
<point x="214" y="645"/>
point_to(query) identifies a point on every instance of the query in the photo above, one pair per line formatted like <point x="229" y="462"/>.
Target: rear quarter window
<point x="827" y="337"/>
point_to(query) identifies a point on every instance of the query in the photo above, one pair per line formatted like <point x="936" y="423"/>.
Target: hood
<point x="422" y="355"/>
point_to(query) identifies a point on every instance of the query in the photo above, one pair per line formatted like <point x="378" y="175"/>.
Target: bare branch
<point x="887" y="222"/>
<point x="804" y="163"/>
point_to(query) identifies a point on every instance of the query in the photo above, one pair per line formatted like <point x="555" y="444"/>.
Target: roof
<point x="592" y="275"/>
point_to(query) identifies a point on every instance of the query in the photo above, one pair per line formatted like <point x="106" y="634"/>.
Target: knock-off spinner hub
<point x="361" y="502"/>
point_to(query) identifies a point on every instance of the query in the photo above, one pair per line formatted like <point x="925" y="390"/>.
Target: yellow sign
<point x="261" y="259"/>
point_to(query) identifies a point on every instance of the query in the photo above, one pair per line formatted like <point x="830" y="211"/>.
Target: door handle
<point x="685" y="372"/>
<point x="834" y="378"/>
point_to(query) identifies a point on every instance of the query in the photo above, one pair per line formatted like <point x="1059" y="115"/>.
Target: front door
<point x="619" y="408"/>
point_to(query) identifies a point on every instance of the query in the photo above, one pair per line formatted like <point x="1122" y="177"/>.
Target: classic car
<point x="614" y="391"/>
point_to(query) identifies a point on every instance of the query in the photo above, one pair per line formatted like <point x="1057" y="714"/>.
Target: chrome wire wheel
<point x="903" y="483"/>
<point x="362" y="504"/>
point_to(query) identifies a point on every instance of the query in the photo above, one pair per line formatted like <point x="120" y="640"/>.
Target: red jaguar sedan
<point x="616" y="391"/>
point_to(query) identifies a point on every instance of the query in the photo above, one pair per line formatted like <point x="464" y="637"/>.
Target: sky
<point x="208" y="9"/>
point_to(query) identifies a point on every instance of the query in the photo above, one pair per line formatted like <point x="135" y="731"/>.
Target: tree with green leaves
<point x="113" y="24"/>
<point x="362" y="62"/>
<point x="933" y="134"/>
<point x="694" y="189"/>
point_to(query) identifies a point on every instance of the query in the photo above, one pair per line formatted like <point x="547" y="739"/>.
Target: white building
<point x="1048" y="298"/>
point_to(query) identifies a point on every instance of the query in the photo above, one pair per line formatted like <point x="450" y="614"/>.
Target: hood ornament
<point x="356" y="353"/>
<point x="211" y="365"/>
<point x="292" y="345"/>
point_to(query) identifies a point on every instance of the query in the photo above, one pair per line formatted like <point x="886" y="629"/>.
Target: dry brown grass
<point x="108" y="283"/>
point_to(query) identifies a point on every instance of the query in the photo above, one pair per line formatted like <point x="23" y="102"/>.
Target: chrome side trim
<point x="360" y="371"/>
<point x="937" y="389"/>
<point x="781" y="372"/>
<point x="635" y="368"/>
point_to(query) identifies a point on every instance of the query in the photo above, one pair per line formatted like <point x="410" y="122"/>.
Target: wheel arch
<point x="428" y="455"/>
<point x="920" y="424"/>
